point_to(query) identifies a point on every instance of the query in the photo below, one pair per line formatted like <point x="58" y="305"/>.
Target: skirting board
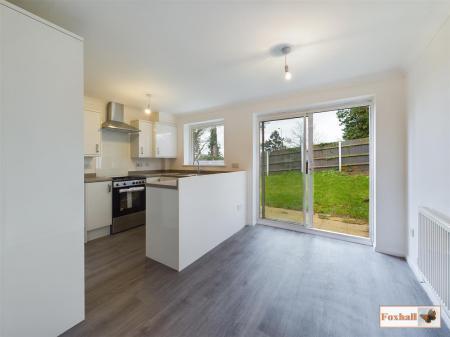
<point x="428" y="290"/>
<point x="98" y="233"/>
<point x="390" y="252"/>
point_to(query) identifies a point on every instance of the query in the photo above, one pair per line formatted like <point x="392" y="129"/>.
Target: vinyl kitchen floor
<point x="261" y="282"/>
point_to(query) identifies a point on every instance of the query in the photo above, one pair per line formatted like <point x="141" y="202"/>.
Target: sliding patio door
<point x="314" y="171"/>
<point x="284" y="183"/>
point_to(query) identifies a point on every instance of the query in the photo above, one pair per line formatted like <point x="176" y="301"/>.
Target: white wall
<point x="41" y="220"/>
<point x="115" y="156"/>
<point x="428" y="84"/>
<point x="389" y="93"/>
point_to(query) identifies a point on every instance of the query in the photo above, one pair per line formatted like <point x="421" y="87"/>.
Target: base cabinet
<point x="98" y="205"/>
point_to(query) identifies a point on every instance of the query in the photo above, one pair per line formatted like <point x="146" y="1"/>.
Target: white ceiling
<point x="193" y="55"/>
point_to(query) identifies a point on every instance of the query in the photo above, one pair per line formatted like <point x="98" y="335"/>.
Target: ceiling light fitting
<point x="287" y="74"/>
<point x="148" y="109"/>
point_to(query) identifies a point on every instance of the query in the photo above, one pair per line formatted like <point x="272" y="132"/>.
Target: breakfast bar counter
<point x="188" y="216"/>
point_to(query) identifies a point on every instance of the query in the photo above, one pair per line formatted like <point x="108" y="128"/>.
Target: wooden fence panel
<point x="354" y="157"/>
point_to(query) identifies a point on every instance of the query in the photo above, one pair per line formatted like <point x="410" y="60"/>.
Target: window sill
<point x="205" y="165"/>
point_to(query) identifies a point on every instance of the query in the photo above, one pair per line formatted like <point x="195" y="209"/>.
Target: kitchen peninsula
<point x="189" y="215"/>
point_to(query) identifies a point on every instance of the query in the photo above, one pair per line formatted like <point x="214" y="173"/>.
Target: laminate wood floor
<point x="261" y="282"/>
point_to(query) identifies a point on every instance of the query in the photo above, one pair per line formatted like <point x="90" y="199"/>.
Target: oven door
<point x="128" y="200"/>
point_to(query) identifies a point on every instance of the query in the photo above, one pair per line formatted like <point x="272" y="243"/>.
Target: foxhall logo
<point x="410" y="317"/>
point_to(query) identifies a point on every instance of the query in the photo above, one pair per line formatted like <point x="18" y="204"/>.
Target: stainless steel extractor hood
<point x="114" y="119"/>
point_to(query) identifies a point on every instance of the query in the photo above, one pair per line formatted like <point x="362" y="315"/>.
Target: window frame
<point x="188" y="142"/>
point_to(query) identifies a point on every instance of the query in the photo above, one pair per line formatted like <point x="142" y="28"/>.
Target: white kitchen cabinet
<point x="165" y="144"/>
<point x="98" y="205"/>
<point x="141" y="143"/>
<point x="92" y="133"/>
<point x="41" y="209"/>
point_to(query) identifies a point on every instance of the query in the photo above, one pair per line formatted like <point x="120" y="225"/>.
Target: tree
<point x="205" y="145"/>
<point x="213" y="145"/>
<point x="197" y="144"/>
<point x="297" y="134"/>
<point x="355" y="122"/>
<point x="275" y="142"/>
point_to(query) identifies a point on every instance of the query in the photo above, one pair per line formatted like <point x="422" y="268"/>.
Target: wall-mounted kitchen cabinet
<point x="92" y="133"/>
<point x="165" y="140"/>
<point x="98" y="205"/>
<point x="141" y="143"/>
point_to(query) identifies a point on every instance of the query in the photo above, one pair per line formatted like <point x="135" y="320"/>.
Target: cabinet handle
<point x="97" y="149"/>
<point x="157" y="150"/>
<point x="142" y="150"/>
<point x="109" y="188"/>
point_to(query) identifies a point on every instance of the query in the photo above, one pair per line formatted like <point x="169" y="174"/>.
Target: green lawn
<point x="335" y="193"/>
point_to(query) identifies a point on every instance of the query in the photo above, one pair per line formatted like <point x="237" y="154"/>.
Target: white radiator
<point x="434" y="253"/>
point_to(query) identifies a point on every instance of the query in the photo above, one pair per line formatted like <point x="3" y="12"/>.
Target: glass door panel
<point x="282" y="178"/>
<point x="340" y="171"/>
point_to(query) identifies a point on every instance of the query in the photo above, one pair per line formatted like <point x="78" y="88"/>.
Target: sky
<point x="326" y="128"/>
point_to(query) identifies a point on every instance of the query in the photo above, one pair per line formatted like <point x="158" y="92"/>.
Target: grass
<point x="335" y="193"/>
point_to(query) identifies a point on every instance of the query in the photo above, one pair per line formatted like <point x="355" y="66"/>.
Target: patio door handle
<point x="307" y="167"/>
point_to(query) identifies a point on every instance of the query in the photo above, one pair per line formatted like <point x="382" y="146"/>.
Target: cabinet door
<point x="145" y="139"/>
<point x="91" y="133"/>
<point x="141" y="143"/>
<point x="165" y="141"/>
<point x="98" y="205"/>
<point x="41" y="209"/>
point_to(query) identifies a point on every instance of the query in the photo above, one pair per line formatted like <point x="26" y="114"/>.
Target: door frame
<point x="304" y="112"/>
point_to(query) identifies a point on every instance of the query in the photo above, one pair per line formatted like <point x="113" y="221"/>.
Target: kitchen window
<point x="204" y="142"/>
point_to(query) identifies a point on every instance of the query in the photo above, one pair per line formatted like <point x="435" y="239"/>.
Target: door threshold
<point x="314" y="231"/>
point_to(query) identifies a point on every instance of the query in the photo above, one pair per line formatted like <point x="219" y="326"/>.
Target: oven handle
<point x="131" y="189"/>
